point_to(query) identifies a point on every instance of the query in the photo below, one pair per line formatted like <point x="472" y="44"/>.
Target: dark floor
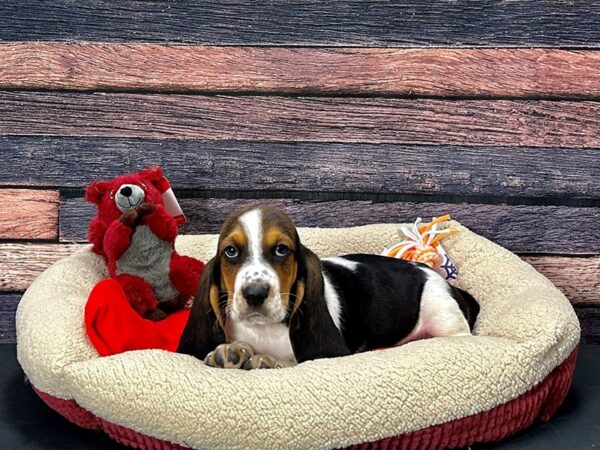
<point x="27" y="423"/>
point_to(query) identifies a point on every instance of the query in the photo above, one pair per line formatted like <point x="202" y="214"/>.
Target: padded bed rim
<point x="539" y="403"/>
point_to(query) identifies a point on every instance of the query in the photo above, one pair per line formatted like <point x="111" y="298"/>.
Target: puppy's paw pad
<point x="229" y="356"/>
<point x="262" y="361"/>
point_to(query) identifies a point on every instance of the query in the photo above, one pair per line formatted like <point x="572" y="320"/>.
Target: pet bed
<point x="435" y="393"/>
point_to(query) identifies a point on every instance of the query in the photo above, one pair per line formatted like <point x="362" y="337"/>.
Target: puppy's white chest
<point x="272" y="339"/>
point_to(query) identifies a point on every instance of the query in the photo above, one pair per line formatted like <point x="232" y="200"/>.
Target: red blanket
<point x="114" y="327"/>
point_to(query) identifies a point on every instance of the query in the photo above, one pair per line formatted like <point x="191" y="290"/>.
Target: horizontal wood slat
<point x="589" y="317"/>
<point x="577" y="278"/>
<point x="28" y="214"/>
<point x="540" y="73"/>
<point x="21" y="263"/>
<point x="519" y="228"/>
<point x="362" y="23"/>
<point x="8" y="309"/>
<point x="314" y="119"/>
<point x="372" y="168"/>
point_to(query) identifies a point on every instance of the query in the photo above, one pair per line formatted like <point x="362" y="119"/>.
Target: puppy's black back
<point x="380" y="299"/>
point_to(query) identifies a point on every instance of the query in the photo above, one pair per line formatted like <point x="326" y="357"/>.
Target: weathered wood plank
<point x="363" y="23"/>
<point x="313" y="119"/>
<point x="578" y="278"/>
<point x="539" y="73"/>
<point x="589" y="317"/>
<point x="563" y="174"/>
<point x="28" y="214"/>
<point x="8" y="308"/>
<point x="538" y="229"/>
<point x="21" y="263"/>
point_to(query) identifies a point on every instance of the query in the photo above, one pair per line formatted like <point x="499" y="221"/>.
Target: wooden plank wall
<point x="340" y="112"/>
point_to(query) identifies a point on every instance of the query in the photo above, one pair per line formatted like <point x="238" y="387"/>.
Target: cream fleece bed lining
<point x="526" y="328"/>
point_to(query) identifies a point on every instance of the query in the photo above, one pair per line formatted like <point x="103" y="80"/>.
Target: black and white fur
<point x="350" y="303"/>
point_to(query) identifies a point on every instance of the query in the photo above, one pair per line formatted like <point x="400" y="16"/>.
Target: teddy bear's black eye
<point x="231" y="252"/>
<point x="281" y="250"/>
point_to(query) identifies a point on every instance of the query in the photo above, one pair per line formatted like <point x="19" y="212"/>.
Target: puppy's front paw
<point x="229" y="356"/>
<point x="262" y="361"/>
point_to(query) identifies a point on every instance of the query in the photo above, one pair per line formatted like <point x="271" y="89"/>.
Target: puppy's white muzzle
<point x="256" y="297"/>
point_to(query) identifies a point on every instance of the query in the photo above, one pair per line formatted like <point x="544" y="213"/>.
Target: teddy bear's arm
<point x="184" y="273"/>
<point x="140" y="295"/>
<point x="117" y="240"/>
<point x="96" y="232"/>
<point x="162" y="224"/>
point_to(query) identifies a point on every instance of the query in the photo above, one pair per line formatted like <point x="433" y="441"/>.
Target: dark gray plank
<point x="589" y="317"/>
<point x="8" y="308"/>
<point x="278" y="22"/>
<point x="564" y="174"/>
<point x="536" y="229"/>
<point x="505" y="123"/>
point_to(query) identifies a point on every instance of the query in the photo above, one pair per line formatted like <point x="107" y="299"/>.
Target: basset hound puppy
<point x="265" y="299"/>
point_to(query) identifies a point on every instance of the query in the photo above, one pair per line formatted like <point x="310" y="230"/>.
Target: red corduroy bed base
<point x="540" y="403"/>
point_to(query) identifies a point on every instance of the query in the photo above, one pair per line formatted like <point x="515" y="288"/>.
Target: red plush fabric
<point x="114" y="326"/>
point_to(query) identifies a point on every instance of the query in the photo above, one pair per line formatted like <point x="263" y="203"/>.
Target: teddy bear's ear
<point x="96" y="190"/>
<point x="153" y="174"/>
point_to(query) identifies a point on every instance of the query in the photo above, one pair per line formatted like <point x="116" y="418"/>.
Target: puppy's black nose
<point x="126" y="191"/>
<point x="255" y="293"/>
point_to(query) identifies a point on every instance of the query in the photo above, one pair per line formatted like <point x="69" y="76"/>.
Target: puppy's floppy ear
<point x="312" y="331"/>
<point x="204" y="329"/>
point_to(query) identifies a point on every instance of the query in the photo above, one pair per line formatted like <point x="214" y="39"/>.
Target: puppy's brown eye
<point x="281" y="250"/>
<point x="231" y="252"/>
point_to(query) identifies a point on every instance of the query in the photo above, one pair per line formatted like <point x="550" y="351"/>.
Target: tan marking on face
<point x="299" y="297"/>
<point x="229" y="270"/>
<point x="286" y="268"/>
<point x="214" y="303"/>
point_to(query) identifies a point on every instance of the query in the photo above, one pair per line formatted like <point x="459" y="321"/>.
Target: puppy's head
<point x="257" y="258"/>
<point x="262" y="274"/>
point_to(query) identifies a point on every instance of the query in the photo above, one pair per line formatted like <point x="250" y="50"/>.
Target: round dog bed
<point x="435" y="393"/>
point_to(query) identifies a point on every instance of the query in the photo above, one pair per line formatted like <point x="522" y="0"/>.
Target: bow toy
<point x="422" y="244"/>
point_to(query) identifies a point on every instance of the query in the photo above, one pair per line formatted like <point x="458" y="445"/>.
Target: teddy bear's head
<point x="124" y="193"/>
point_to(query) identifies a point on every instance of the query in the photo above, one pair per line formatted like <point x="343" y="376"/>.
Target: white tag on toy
<point x="170" y="201"/>
<point x="446" y="267"/>
<point x="422" y="245"/>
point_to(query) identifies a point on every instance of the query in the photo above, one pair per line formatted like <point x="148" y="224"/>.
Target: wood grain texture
<point x="281" y="22"/>
<point x="578" y="278"/>
<point x="563" y="174"/>
<point x="589" y="317"/>
<point x="20" y="264"/>
<point x="536" y="229"/>
<point x="313" y="119"/>
<point x="28" y="214"/>
<point x="539" y="73"/>
<point x="8" y="309"/>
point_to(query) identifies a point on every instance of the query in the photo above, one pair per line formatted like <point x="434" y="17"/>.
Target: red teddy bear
<point x="136" y="236"/>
